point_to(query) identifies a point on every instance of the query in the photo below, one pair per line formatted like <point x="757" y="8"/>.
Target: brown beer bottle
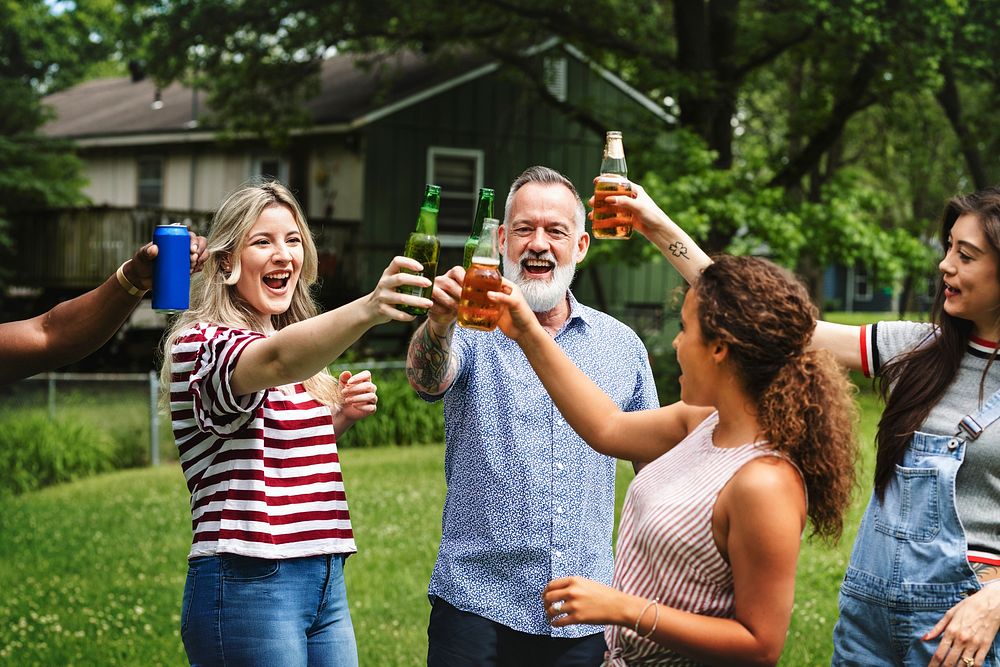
<point x="475" y="310"/>
<point x="611" y="222"/>
<point x="423" y="246"/>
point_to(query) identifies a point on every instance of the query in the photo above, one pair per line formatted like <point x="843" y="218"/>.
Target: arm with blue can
<point x="77" y="327"/>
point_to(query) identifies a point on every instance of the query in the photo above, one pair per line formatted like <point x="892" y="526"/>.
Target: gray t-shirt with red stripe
<point x="977" y="496"/>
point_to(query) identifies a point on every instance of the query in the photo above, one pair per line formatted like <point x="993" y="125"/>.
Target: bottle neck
<point x="483" y="210"/>
<point x="489" y="242"/>
<point x="614" y="158"/>
<point x="427" y="222"/>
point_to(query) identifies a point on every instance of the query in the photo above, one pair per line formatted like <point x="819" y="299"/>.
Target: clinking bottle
<point x="612" y="222"/>
<point x="423" y="246"/>
<point x="475" y="310"/>
<point x="483" y="210"/>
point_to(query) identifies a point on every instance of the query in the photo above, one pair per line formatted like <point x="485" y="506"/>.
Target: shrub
<point x="36" y="452"/>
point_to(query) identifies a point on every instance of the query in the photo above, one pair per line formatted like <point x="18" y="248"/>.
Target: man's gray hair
<point x="546" y="176"/>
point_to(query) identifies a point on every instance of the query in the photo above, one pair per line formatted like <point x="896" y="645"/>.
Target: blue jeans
<point x="459" y="638"/>
<point x="909" y="564"/>
<point x="260" y="612"/>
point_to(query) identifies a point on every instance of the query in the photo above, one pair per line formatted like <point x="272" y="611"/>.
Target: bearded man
<point x="528" y="501"/>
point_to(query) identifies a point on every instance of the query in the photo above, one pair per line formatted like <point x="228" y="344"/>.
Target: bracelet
<point x="126" y="283"/>
<point x="656" y="618"/>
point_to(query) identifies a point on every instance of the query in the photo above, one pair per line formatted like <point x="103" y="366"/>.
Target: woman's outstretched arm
<point x="636" y="436"/>
<point x="689" y="259"/>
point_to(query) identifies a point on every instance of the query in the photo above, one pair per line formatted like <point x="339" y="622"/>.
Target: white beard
<point x="541" y="295"/>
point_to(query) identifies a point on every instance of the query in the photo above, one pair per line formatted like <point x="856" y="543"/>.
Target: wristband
<point x="126" y="283"/>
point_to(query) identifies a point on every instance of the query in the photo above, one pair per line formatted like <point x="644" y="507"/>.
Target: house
<point x="856" y="290"/>
<point x="383" y="126"/>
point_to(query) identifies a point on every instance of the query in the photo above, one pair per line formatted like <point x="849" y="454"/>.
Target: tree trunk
<point x="706" y="39"/>
<point x="948" y="98"/>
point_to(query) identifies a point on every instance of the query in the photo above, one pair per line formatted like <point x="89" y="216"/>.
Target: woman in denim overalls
<point x="917" y="591"/>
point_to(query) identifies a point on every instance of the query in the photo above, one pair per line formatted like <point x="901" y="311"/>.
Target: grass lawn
<point x="93" y="571"/>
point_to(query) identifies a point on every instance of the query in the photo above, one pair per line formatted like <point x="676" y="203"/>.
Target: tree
<point x="43" y="47"/>
<point x="774" y="98"/>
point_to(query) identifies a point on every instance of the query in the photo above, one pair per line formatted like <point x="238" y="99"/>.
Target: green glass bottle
<point x="423" y="246"/>
<point x="483" y="210"/>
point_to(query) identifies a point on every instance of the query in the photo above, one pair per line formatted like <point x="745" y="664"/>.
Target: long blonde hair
<point x="213" y="291"/>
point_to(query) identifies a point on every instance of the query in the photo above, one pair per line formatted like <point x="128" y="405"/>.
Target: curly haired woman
<point x="711" y="526"/>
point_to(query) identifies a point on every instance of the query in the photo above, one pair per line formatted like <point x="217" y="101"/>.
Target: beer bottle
<point x="483" y="210"/>
<point x="612" y="222"/>
<point x="475" y="310"/>
<point x="423" y="246"/>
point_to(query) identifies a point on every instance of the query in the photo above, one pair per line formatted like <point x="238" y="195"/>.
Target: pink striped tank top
<point x="665" y="545"/>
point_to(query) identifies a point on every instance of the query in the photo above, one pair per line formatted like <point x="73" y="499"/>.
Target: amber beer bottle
<point x="612" y="222"/>
<point x="423" y="246"/>
<point x="483" y="210"/>
<point x="475" y="310"/>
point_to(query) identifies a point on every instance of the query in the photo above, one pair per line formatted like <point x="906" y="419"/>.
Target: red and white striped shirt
<point x="262" y="469"/>
<point x="665" y="544"/>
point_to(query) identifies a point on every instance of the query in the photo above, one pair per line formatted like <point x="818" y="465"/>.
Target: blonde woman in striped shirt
<point x="256" y="416"/>
<point x="711" y="526"/>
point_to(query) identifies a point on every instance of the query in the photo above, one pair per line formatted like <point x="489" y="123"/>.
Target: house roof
<point x="354" y="90"/>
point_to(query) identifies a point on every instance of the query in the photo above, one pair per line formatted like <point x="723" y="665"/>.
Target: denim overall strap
<point x="910" y="560"/>
<point x="971" y="426"/>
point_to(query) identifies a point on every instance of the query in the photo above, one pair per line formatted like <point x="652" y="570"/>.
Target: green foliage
<point x="663" y="361"/>
<point x="809" y="130"/>
<point x="36" y="452"/>
<point x="403" y="418"/>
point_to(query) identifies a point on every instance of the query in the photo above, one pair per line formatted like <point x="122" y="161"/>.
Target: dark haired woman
<point x="923" y="585"/>
<point x="711" y="527"/>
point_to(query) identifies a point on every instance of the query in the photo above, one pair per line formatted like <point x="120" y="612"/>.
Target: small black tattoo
<point x="678" y="249"/>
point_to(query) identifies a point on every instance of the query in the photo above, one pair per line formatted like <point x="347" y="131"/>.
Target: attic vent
<point x="555" y="77"/>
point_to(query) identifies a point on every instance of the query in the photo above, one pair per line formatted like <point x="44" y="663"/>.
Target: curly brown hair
<point x="804" y="399"/>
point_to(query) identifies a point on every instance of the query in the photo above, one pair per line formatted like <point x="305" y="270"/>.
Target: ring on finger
<point x="968" y="661"/>
<point x="558" y="605"/>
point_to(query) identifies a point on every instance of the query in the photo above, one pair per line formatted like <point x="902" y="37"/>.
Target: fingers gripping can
<point x="171" y="268"/>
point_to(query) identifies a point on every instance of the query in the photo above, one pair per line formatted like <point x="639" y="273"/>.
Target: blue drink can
<point x="172" y="268"/>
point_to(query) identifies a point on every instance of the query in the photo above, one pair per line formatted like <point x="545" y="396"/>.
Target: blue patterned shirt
<point x="528" y="501"/>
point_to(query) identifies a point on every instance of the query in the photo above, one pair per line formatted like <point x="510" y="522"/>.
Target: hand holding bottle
<point x="675" y="244"/>
<point x="648" y="218"/>
<point x="607" y="220"/>
<point x="399" y="287"/>
<point x="445" y="296"/>
<point x="516" y="318"/>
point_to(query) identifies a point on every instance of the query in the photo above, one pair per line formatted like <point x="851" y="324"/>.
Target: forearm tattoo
<point x="428" y="361"/>
<point x="678" y="249"/>
<point x="985" y="572"/>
